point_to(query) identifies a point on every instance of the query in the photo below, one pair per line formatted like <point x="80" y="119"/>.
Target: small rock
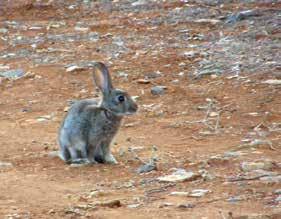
<point x="158" y="90"/>
<point x="183" y="206"/>
<point x="139" y="2"/>
<point x="166" y="204"/>
<point x="153" y="75"/>
<point x="206" y="175"/>
<point x="44" y="118"/>
<point x="233" y="154"/>
<point x="271" y="179"/>
<point x="198" y="192"/>
<point x="278" y="199"/>
<point x="213" y="114"/>
<point x="133" y="206"/>
<point x="143" y="81"/>
<point x="100" y="193"/>
<point x="148" y="167"/>
<point x="190" y="54"/>
<point x="5" y="165"/>
<point x="176" y="81"/>
<point x="82" y="29"/>
<point x="178" y="176"/>
<point x="110" y="204"/>
<point x="4" y="30"/>
<point x="234" y="199"/>
<point x="122" y="74"/>
<point x="248" y="166"/>
<point x="185" y="194"/>
<point x="272" y="82"/>
<point x="233" y="18"/>
<point x="212" y="21"/>
<point x="53" y="154"/>
<point x="73" y="68"/>
<point x="12" y="74"/>
<point x="277" y="192"/>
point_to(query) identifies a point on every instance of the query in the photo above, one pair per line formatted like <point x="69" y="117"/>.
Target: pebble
<point x="278" y="199"/>
<point x="158" y="90"/>
<point x="277" y="192"/>
<point x="234" y="199"/>
<point x="178" y="176"/>
<point x="186" y="205"/>
<point x="12" y="74"/>
<point x="198" y="193"/>
<point x="53" y="154"/>
<point x="143" y="81"/>
<point x="100" y="193"/>
<point x="133" y="206"/>
<point x="248" y="166"/>
<point x="176" y="81"/>
<point x="73" y="68"/>
<point x="147" y="167"/>
<point x="272" y="82"/>
<point x="271" y="179"/>
<point x="5" y="165"/>
<point x="190" y="54"/>
<point x="110" y="204"/>
<point x="4" y="30"/>
<point x="166" y="204"/>
<point x="179" y="194"/>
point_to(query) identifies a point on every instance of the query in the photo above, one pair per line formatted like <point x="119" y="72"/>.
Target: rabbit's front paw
<point x="109" y="158"/>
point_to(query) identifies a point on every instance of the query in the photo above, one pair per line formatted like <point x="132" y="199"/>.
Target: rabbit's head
<point x="114" y="100"/>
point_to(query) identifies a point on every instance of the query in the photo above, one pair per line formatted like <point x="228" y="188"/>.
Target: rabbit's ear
<point x="102" y="77"/>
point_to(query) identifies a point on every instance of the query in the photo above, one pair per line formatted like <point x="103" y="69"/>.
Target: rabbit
<point x="90" y="125"/>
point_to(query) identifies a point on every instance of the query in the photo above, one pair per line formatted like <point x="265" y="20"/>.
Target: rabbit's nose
<point x="133" y="107"/>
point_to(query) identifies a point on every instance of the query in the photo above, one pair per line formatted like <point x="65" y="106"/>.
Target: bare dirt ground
<point x="216" y="114"/>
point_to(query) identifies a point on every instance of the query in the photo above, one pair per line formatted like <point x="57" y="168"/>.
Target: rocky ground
<point x="205" y="142"/>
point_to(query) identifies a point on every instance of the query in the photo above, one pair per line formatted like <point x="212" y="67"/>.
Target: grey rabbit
<point x="90" y="125"/>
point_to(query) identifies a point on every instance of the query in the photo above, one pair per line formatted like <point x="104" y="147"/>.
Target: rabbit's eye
<point x="121" y="98"/>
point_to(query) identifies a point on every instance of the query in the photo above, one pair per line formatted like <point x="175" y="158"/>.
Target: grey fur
<point x="90" y="125"/>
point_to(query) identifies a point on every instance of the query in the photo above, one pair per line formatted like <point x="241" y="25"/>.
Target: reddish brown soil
<point x="39" y="186"/>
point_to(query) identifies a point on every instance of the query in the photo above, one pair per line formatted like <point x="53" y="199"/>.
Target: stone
<point x="73" y="68"/>
<point x="166" y="204"/>
<point x="158" y="90"/>
<point x="53" y="154"/>
<point x="133" y="206"/>
<point x="272" y="82"/>
<point x="110" y="204"/>
<point x="277" y="192"/>
<point x="186" y="206"/>
<point x="179" y="175"/>
<point x="147" y="167"/>
<point x="198" y="193"/>
<point x="143" y="81"/>
<point x="235" y="199"/>
<point x="271" y="179"/>
<point x="190" y="54"/>
<point x="184" y="194"/>
<point x="233" y="18"/>
<point x="278" y="199"/>
<point x="211" y="21"/>
<point x="5" y="165"/>
<point x="249" y="166"/>
<point x="12" y="74"/>
<point x="139" y="3"/>
<point x="100" y="193"/>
